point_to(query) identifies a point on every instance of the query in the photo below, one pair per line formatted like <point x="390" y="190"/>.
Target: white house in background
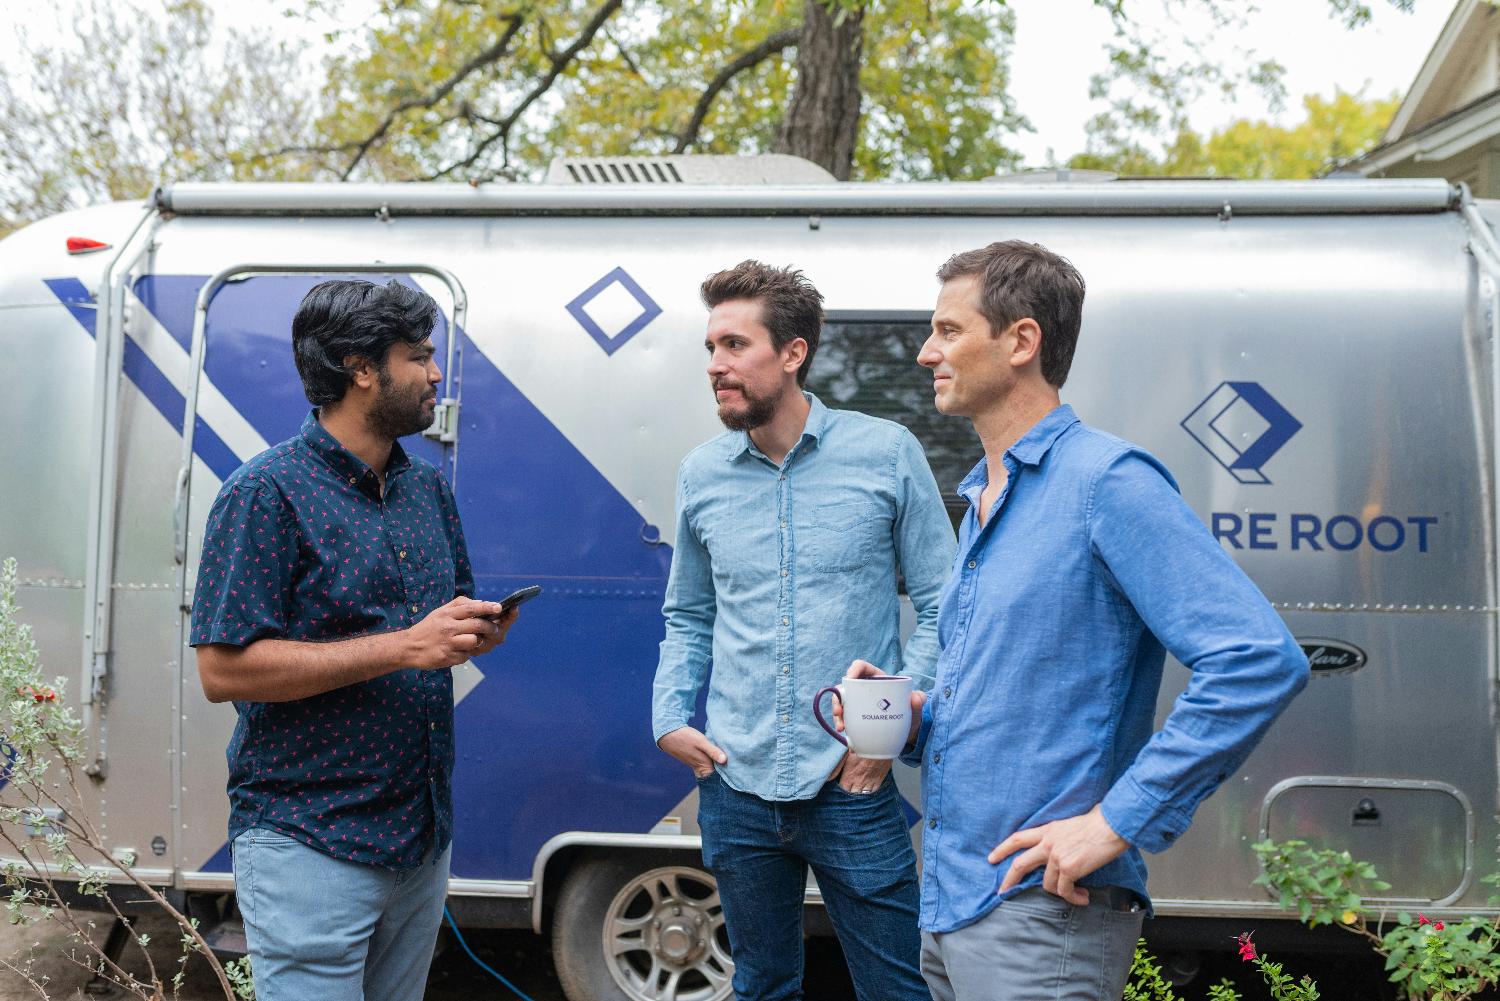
<point x="1448" y="125"/>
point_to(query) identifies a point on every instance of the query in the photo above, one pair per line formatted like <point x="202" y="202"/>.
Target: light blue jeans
<point x="322" y="928"/>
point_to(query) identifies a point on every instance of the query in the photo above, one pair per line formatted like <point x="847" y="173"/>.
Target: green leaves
<point x="1325" y="886"/>
<point x="1443" y="961"/>
<point x="1334" y="131"/>
<point x="1146" y="982"/>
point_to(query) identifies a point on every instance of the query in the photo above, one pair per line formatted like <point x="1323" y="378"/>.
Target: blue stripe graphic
<point x="535" y="510"/>
<point x="150" y="380"/>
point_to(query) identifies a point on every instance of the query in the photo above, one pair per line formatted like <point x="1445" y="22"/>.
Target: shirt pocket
<point x="839" y="537"/>
<point x="429" y="569"/>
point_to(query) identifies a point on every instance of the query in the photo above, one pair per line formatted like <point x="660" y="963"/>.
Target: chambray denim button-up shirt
<point x="782" y="575"/>
<point x="1054" y="630"/>
<point x="300" y="545"/>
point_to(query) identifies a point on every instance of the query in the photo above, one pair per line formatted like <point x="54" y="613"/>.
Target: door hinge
<point x="444" y="425"/>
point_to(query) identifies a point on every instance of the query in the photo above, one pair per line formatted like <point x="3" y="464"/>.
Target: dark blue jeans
<point x="861" y="853"/>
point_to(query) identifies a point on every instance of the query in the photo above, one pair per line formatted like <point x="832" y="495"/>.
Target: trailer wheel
<point x="634" y="928"/>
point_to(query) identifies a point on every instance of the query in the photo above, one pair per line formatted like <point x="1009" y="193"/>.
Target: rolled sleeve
<point x="1195" y="600"/>
<point x="246" y="569"/>
<point x="689" y="608"/>
<point x="925" y="547"/>
<point x="1141" y="819"/>
<point x="913" y="757"/>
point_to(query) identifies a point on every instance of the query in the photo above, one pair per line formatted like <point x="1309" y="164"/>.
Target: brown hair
<point x="1019" y="280"/>
<point x="790" y="307"/>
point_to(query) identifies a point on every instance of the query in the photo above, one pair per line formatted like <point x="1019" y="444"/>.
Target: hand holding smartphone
<point x="517" y="597"/>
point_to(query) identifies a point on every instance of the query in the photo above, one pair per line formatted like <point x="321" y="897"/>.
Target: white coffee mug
<point x="877" y="714"/>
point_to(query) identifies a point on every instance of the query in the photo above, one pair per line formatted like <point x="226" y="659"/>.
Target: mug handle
<point x="838" y="693"/>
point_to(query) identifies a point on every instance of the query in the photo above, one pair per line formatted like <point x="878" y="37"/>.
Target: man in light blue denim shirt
<point x="792" y="530"/>
<point x="1079" y="567"/>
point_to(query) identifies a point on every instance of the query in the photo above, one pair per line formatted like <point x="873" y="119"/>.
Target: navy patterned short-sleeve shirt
<point x="300" y="545"/>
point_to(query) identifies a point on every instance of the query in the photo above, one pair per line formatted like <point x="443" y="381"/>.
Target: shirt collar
<point x="1029" y="451"/>
<point x="343" y="462"/>
<point x="1034" y="444"/>
<point x="817" y="423"/>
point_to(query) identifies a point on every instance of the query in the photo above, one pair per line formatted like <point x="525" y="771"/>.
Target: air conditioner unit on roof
<point x="764" y="168"/>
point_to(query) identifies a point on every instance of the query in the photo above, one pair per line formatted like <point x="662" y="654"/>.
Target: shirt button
<point x="786" y="622"/>
<point x="973" y="564"/>
<point x="947" y="693"/>
<point x="783" y="524"/>
<point x="783" y="573"/>
<point x="403" y="554"/>
<point x="786" y="719"/>
<point x="932" y="824"/>
<point x="786" y="670"/>
<point x="353" y="480"/>
<point x="414" y="609"/>
<point x="434" y="726"/>
<point x="937" y="756"/>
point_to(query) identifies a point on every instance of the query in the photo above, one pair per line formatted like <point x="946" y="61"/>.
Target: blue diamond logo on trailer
<point x="614" y="309"/>
<point x="1242" y="426"/>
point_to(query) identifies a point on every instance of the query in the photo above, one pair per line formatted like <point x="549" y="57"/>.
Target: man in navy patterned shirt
<point x="334" y="594"/>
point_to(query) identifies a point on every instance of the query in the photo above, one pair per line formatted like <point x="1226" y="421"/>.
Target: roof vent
<point x="765" y="168"/>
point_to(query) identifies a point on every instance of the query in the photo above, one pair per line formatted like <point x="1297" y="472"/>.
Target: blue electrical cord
<point x="477" y="961"/>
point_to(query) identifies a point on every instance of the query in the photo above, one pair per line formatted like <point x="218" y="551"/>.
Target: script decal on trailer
<point x="1244" y="427"/>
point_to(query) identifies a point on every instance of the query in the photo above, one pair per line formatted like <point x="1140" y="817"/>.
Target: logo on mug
<point x="885" y="704"/>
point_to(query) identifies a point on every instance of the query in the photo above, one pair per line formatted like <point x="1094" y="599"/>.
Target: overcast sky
<point x="1060" y="44"/>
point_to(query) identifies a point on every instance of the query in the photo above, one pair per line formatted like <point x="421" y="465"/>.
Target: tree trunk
<point x="822" y="119"/>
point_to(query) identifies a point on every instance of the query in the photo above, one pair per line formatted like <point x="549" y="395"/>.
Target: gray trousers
<point x="1036" y="947"/>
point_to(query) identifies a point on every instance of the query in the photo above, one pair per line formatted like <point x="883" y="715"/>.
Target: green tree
<point x="140" y="97"/>
<point x="482" y="89"/>
<point x="867" y="88"/>
<point x="1152" y="78"/>
<point x="441" y="89"/>
<point x="1332" y="132"/>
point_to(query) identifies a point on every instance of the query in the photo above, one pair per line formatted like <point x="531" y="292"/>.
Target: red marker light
<point x="83" y="245"/>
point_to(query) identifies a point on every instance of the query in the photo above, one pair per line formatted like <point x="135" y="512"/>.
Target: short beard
<point x="759" y="410"/>
<point x="395" y="415"/>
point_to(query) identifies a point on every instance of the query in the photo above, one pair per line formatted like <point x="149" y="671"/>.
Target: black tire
<point x="660" y="915"/>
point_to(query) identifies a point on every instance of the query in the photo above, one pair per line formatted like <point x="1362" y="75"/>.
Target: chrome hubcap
<point x="665" y="940"/>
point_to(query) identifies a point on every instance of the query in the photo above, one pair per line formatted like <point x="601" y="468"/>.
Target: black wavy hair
<point x="348" y="317"/>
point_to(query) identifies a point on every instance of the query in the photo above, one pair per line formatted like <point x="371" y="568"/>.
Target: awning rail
<point x="1112" y="198"/>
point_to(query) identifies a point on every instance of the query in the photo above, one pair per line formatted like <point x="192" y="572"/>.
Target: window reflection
<point x="870" y="365"/>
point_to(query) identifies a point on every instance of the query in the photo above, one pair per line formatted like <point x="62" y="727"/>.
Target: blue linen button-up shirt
<point x="300" y="545"/>
<point x="1054" y="630"/>
<point x="782" y="575"/>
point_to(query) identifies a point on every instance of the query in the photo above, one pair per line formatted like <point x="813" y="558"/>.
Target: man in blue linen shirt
<point x="792" y="529"/>
<point x="1078" y="568"/>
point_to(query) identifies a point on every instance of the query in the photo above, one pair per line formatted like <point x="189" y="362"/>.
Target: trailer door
<point x="243" y="396"/>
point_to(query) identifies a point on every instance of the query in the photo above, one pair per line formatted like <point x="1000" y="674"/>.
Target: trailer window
<point x="868" y="362"/>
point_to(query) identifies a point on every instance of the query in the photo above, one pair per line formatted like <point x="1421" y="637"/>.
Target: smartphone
<point x="519" y="597"/>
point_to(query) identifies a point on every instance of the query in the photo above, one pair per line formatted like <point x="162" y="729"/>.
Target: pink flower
<point x="1422" y="920"/>
<point x="1247" y="947"/>
<point x="1438" y="925"/>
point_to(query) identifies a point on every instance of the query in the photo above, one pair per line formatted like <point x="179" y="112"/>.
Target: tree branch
<point x="483" y="59"/>
<point x="560" y="61"/>
<point x="26" y="976"/>
<point x="769" y="47"/>
<point x="624" y="55"/>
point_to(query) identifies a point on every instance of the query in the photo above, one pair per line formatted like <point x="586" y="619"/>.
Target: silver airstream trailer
<point x="1315" y="361"/>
